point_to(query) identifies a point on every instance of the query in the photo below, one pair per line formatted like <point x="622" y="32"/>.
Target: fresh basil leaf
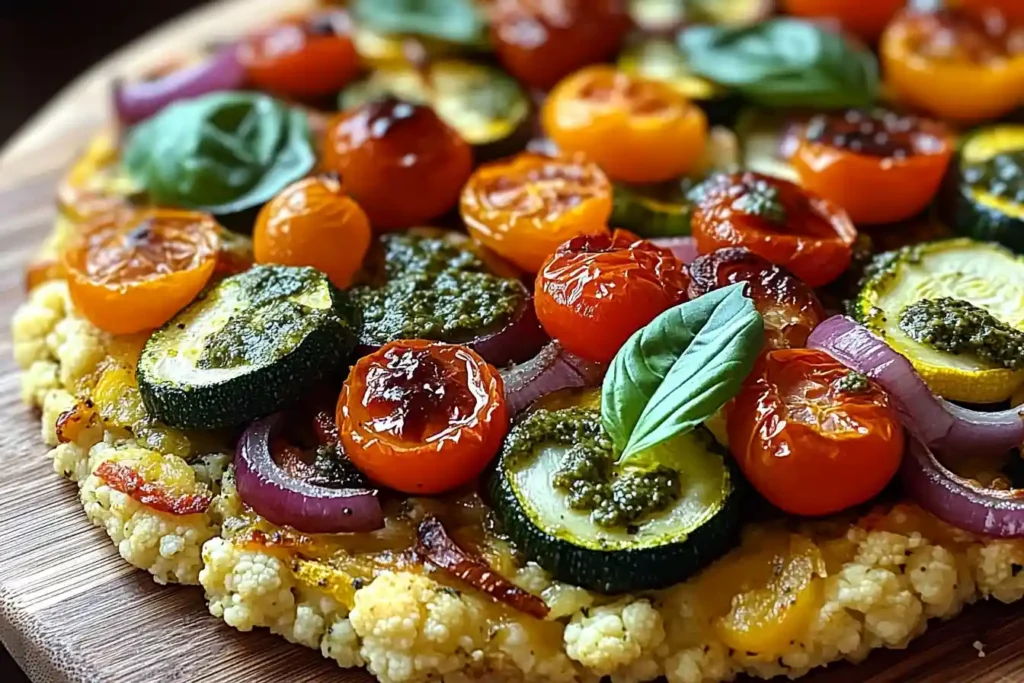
<point x="784" y="63"/>
<point x="677" y="371"/>
<point x="457" y="21"/>
<point x="223" y="152"/>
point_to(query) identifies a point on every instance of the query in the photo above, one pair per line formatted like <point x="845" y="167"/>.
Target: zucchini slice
<point x="984" y="274"/>
<point x="485" y="105"/>
<point x="661" y="550"/>
<point x="245" y="348"/>
<point x="986" y="191"/>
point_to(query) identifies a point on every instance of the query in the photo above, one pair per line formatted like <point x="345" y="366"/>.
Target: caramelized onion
<point x="551" y="370"/>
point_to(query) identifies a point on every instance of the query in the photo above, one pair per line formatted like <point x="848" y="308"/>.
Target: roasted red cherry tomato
<point x="788" y="306"/>
<point x="879" y="166"/>
<point x="312" y="222"/>
<point x="811" y="436"/>
<point x="637" y="130"/>
<point x="866" y="18"/>
<point x="1012" y="10"/>
<point x="309" y="57"/>
<point x="808" y="235"/>
<point x="955" y="65"/>
<point x="133" y="271"/>
<point x="541" y="41"/>
<point x="597" y="290"/>
<point x="422" y="417"/>
<point x="399" y="161"/>
<point x="523" y="208"/>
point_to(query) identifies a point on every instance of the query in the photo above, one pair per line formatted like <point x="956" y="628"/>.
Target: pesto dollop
<point x="762" y="199"/>
<point x="957" y="326"/>
<point x="852" y="383"/>
<point x="434" y="290"/>
<point x="588" y="475"/>
<point x="1002" y="176"/>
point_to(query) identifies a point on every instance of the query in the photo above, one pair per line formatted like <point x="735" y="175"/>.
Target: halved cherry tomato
<point x="422" y="417"/>
<point x="865" y="18"/>
<point x="307" y="57"/>
<point x="879" y="166"/>
<point x="777" y="219"/>
<point x="597" y="290"/>
<point x="637" y="130"/>
<point x="788" y="306"/>
<point x="133" y="272"/>
<point x="541" y="41"/>
<point x="402" y="163"/>
<point x="523" y="208"/>
<point x="312" y="222"/>
<point x="955" y="65"/>
<point x="1013" y="10"/>
<point x="812" y="438"/>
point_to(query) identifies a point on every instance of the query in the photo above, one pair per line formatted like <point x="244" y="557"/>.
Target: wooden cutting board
<point x="72" y="610"/>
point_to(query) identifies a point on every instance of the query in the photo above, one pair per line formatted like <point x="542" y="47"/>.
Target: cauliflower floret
<point x="247" y="588"/>
<point x="79" y="348"/>
<point x="55" y="403"/>
<point x="210" y="469"/>
<point x="610" y="638"/>
<point x="72" y="460"/>
<point x="414" y="629"/>
<point x="933" y="574"/>
<point x="42" y="377"/>
<point x="999" y="569"/>
<point x="886" y="550"/>
<point x="35" y="320"/>
<point x="891" y="612"/>
<point x="341" y="643"/>
<point x="699" y="664"/>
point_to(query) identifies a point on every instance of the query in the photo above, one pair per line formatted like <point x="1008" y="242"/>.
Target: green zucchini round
<point x="984" y="194"/>
<point x="663" y="550"/>
<point x="656" y="210"/>
<point x="245" y="348"/>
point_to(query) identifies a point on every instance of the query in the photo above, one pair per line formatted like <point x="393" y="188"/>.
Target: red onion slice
<point x="551" y="370"/>
<point x="683" y="248"/>
<point x="938" y="423"/>
<point x="287" y="501"/>
<point x="137" y="101"/>
<point x="959" y="501"/>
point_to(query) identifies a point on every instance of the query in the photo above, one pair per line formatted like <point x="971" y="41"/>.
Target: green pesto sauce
<point x="763" y="200"/>
<point x="852" y="383"/>
<point x="957" y="326"/>
<point x="434" y="291"/>
<point x="588" y="474"/>
<point x="1001" y="176"/>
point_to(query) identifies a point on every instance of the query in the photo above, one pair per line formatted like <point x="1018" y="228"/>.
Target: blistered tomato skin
<point x="133" y="271"/>
<point x="314" y="223"/>
<point x="399" y="161"/>
<point x="878" y="166"/>
<point x="637" y="130"/>
<point x="422" y="417"/>
<point x="523" y="208"/>
<point x="960" y="66"/>
<point x="809" y="439"/>
<point x="774" y="218"/>
<point x="789" y="307"/>
<point x="597" y="290"/>
<point x="866" y="19"/>
<point x="541" y="41"/>
<point x="307" y="58"/>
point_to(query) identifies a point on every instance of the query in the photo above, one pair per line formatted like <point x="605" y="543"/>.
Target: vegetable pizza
<point x="555" y="341"/>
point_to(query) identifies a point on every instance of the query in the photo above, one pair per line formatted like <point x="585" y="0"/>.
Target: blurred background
<point x="45" y="44"/>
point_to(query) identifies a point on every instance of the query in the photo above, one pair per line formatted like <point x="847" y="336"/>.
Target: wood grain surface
<point x="72" y="610"/>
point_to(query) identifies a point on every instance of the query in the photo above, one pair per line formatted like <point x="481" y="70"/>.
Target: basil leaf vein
<point x="677" y="371"/>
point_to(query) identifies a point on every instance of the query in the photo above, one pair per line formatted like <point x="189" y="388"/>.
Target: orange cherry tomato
<point x="955" y="65"/>
<point x="806" y="234"/>
<point x="879" y="166"/>
<point x="403" y="164"/>
<point x="310" y="57"/>
<point x="808" y="438"/>
<point x="312" y="222"/>
<point x="133" y="272"/>
<point x="523" y="208"/>
<point x="422" y="417"/>
<point x="637" y="130"/>
<point x="597" y="290"/>
<point x="541" y="41"/>
<point x="788" y="306"/>
<point x="866" y="18"/>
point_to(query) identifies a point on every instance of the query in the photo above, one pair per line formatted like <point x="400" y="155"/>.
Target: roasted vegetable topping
<point x="873" y="133"/>
<point x="1001" y="175"/>
<point x="958" y="326"/>
<point x="129" y="481"/>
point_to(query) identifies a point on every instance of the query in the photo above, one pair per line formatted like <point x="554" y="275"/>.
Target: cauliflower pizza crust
<point x="885" y="576"/>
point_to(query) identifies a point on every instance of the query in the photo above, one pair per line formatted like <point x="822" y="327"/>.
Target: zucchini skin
<point x="634" y="212"/>
<point x="624" y="570"/>
<point x="320" y="355"/>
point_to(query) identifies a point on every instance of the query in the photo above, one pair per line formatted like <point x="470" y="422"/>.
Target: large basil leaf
<point x="677" y="371"/>
<point x="223" y="152"/>
<point x="784" y="63"/>
<point x="457" y="21"/>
